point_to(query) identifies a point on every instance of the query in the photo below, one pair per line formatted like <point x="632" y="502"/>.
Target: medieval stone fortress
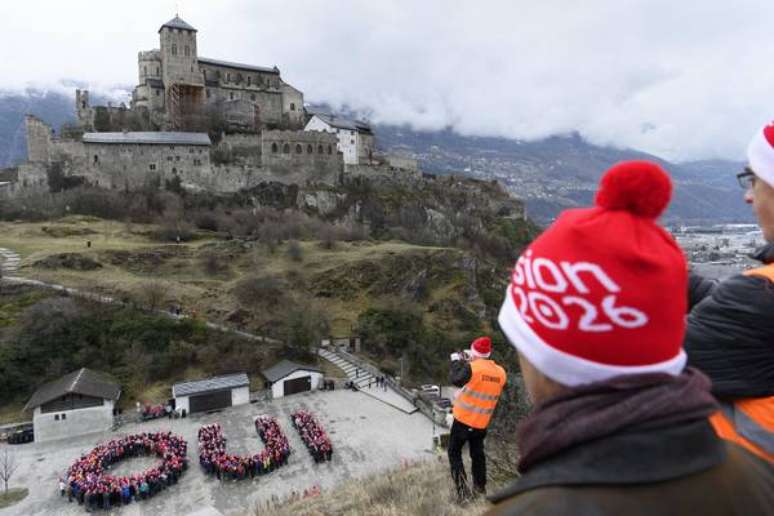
<point x="202" y="124"/>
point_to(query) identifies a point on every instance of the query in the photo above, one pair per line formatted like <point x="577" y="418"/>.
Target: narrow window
<point x="299" y="149"/>
<point x="56" y="417"/>
<point x="64" y="416"/>
<point x="158" y="92"/>
<point x="231" y="95"/>
<point x="158" y="70"/>
<point x="292" y="106"/>
<point x="286" y="148"/>
<point x="319" y="149"/>
<point x="96" y="159"/>
<point x="83" y="104"/>
<point x="145" y="70"/>
<point x="228" y="77"/>
<point x="174" y="49"/>
<point x="249" y="80"/>
<point x="208" y="93"/>
<point x="329" y="149"/>
<point x="309" y="149"/>
<point x="187" y="51"/>
<point x="274" y="148"/>
<point x="152" y="166"/>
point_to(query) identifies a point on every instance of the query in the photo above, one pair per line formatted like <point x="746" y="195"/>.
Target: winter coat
<point x="730" y="333"/>
<point x="674" y="470"/>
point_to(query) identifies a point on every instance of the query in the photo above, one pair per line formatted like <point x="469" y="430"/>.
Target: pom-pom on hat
<point x="481" y="347"/>
<point x="601" y="293"/>
<point x="760" y="154"/>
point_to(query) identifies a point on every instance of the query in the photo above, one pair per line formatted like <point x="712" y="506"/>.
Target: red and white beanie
<point x="602" y="292"/>
<point x="760" y="154"/>
<point x="481" y="347"/>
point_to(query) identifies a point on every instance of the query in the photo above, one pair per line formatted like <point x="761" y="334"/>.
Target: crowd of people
<point x="313" y="435"/>
<point x="89" y="483"/>
<point x="214" y="459"/>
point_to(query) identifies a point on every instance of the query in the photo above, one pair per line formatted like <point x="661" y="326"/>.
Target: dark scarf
<point x="601" y="409"/>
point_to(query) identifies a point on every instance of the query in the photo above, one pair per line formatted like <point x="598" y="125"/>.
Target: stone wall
<point x="132" y="166"/>
<point x="301" y="156"/>
<point x="38" y="139"/>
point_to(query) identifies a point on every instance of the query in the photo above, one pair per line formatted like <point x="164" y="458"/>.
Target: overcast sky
<point x="681" y="79"/>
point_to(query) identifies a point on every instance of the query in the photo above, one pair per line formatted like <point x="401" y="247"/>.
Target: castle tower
<point x="180" y="73"/>
<point x="178" y="53"/>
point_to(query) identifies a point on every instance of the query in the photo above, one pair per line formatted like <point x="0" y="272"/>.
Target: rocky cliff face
<point x="428" y="210"/>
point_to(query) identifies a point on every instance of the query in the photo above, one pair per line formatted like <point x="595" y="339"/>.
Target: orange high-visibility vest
<point x="748" y="423"/>
<point x="477" y="400"/>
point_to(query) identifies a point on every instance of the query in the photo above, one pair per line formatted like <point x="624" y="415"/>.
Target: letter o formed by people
<point x="90" y="485"/>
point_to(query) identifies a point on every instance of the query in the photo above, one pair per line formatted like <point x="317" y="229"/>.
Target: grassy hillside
<point x="422" y="489"/>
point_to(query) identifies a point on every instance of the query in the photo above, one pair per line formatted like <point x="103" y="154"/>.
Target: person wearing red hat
<point x="730" y="334"/>
<point x="481" y="381"/>
<point x="619" y="425"/>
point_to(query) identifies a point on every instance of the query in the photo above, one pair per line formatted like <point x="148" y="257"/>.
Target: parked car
<point x="430" y="389"/>
<point x="444" y="402"/>
<point x="21" y="436"/>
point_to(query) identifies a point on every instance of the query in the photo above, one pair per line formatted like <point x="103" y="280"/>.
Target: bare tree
<point x="8" y="467"/>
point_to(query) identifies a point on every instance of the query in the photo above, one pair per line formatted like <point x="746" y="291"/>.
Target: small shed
<point x="288" y="377"/>
<point x="212" y="393"/>
<point x="81" y="402"/>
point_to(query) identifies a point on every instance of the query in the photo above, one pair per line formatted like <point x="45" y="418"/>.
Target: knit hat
<point x="602" y="292"/>
<point x="481" y="347"/>
<point x="760" y="154"/>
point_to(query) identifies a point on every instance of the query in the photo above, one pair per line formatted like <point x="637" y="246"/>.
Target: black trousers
<point x="460" y="434"/>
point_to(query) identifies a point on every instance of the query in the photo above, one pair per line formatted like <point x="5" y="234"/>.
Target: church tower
<point x="180" y="73"/>
<point x="178" y="54"/>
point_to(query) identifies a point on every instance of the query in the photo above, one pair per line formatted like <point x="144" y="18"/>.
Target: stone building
<point x="175" y="83"/>
<point x="355" y="138"/>
<point x="81" y="402"/>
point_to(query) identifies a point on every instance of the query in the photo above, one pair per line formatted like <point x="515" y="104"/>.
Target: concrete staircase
<point x="9" y="262"/>
<point x="364" y="378"/>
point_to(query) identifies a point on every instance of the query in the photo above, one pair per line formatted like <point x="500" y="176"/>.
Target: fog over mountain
<point x="682" y="80"/>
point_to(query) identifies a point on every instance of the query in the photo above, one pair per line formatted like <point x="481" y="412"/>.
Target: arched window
<point x="286" y="149"/>
<point x="299" y="149"/>
<point x="292" y="106"/>
<point x="174" y="49"/>
<point x="330" y="150"/>
<point x="309" y="149"/>
<point x="319" y="149"/>
<point x="274" y="148"/>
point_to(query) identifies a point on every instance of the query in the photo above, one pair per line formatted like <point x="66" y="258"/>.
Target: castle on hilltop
<point x="202" y="124"/>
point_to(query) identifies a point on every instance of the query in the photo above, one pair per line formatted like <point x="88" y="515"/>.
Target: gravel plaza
<point x="367" y="435"/>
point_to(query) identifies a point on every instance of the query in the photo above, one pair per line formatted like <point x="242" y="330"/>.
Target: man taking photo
<point x="481" y="381"/>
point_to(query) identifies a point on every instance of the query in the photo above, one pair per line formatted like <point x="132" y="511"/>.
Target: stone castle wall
<point x="301" y="156"/>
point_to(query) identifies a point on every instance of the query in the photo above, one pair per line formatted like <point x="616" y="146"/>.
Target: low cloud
<point x="684" y="80"/>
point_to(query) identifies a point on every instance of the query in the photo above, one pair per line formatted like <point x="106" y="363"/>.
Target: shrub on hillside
<point x="260" y="290"/>
<point x="295" y="252"/>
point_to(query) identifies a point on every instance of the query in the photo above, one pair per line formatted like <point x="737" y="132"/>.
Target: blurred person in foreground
<point x="730" y="334"/>
<point x="481" y="381"/>
<point x="619" y="425"/>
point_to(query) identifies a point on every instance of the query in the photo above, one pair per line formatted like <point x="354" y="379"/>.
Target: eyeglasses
<point x="746" y="178"/>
